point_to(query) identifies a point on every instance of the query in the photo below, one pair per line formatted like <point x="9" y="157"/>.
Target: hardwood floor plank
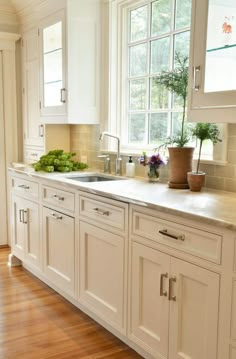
<point x="37" y="323"/>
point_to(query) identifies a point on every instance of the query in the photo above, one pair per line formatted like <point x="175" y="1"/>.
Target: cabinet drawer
<point x="108" y="214"/>
<point x="32" y="155"/>
<point x="191" y="240"/>
<point x="25" y="187"/>
<point x="59" y="198"/>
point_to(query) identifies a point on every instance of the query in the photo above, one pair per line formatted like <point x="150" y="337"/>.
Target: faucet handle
<point x="107" y="163"/>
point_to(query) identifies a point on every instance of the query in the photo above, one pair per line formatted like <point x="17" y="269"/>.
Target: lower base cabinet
<point x="25" y="226"/>
<point x="59" y="249"/>
<point x="174" y="306"/>
<point x="102" y="274"/>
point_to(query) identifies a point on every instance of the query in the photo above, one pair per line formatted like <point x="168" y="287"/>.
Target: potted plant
<point x="180" y="157"/>
<point x="202" y="131"/>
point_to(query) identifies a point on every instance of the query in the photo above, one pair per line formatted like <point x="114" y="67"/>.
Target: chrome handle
<point x="41" y="131"/>
<point x="171" y="297"/>
<point x="195" y="70"/>
<point x="163" y="292"/>
<point x="59" y="198"/>
<point x="63" y="99"/>
<point x="54" y="215"/>
<point x="100" y="212"/>
<point x="20" y="215"/>
<point x="24" y="212"/>
<point x="23" y="186"/>
<point x="181" y="237"/>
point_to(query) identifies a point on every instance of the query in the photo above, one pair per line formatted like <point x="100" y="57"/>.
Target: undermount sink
<point x="94" y="178"/>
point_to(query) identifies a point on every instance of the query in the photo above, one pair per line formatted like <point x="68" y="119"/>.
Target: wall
<point x="84" y="141"/>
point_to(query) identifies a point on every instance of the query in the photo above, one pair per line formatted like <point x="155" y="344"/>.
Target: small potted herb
<point x="202" y="131"/>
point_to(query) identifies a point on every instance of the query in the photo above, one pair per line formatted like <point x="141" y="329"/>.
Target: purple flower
<point x="154" y="160"/>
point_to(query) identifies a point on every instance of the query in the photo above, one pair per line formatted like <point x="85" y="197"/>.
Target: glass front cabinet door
<point x="53" y="83"/>
<point x="212" y="80"/>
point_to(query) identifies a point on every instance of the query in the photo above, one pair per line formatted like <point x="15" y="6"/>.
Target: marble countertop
<point x="211" y="206"/>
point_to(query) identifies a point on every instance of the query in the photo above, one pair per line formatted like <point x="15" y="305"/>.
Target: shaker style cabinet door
<point x="58" y="249"/>
<point x="149" y="307"/>
<point x="194" y="312"/>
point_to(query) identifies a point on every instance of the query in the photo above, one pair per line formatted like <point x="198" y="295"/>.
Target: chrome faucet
<point x="118" y="170"/>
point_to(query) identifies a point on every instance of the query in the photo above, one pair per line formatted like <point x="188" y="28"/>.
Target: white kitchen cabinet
<point x="33" y="128"/>
<point x="174" y="306"/>
<point x="53" y="90"/>
<point x="59" y="249"/>
<point x="25" y="229"/>
<point x="212" y="80"/>
<point x="102" y="269"/>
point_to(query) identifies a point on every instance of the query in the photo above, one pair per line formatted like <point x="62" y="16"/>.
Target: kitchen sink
<point x="94" y="178"/>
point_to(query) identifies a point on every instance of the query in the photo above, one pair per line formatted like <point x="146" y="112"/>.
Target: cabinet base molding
<point x="13" y="261"/>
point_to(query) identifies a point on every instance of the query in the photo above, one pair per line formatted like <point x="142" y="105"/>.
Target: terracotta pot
<point x="180" y="163"/>
<point x="196" y="180"/>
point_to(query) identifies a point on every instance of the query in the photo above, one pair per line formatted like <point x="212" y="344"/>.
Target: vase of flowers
<point x="152" y="163"/>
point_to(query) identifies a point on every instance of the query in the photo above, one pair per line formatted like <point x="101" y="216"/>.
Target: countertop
<point x="209" y="206"/>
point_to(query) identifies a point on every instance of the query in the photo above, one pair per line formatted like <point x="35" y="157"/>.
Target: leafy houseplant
<point x="202" y="131"/>
<point x="180" y="157"/>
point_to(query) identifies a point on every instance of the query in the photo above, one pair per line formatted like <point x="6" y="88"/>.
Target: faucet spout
<point x="118" y="159"/>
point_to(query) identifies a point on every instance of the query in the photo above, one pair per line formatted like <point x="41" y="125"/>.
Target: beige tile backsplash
<point x="84" y="141"/>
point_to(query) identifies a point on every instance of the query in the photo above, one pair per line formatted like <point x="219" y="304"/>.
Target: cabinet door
<point x="59" y="251"/>
<point x="194" y="313"/>
<point x="148" y="307"/>
<point x="102" y="273"/>
<point x="213" y="52"/>
<point x="52" y="81"/>
<point x="17" y="227"/>
<point x="32" y="233"/>
<point x="33" y="129"/>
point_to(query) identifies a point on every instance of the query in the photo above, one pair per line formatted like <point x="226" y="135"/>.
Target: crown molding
<point x="8" y="15"/>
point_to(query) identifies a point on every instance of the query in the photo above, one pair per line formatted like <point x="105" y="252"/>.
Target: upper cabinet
<point x="53" y="70"/>
<point x="70" y="64"/>
<point x="212" y="91"/>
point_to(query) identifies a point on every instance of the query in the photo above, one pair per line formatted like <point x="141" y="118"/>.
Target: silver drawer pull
<point x="21" y="211"/>
<point x="54" y="215"/>
<point x="163" y="292"/>
<point x="59" y="198"/>
<point x="181" y="237"/>
<point x="100" y="211"/>
<point x="23" y="186"/>
<point x="196" y="69"/>
<point x="171" y="281"/>
<point x="25" y="212"/>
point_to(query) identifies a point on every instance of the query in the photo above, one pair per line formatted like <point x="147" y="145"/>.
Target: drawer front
<point x="194" y="241"/>
<point x="31" y="156"/>
<point x="25" y="187"/>
<point x="111" y="215"/>
<point x="59" y="198"/>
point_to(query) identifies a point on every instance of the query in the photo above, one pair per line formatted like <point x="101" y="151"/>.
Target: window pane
<point x="137" y="94"/>
<point x="53" y="66"/>
<point x="52" y="94"/>
<point x="161" y="15"/>
<point x="177" y="102"/>
<point x="137" y="128"/>
<point x="158" y="124"/>
<point x="181" y="43"/>
<point x="138" y="60"/>
<point x="176" y="122"/>
<point x="52" y="37"/>
<point x="160" y="53"/>
<point x="158" y="96"/>
<point x="183" y="13"/>
<point x="138" y="23"/>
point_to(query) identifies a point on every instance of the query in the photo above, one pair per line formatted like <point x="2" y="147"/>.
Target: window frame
<point x="118" y="11"/>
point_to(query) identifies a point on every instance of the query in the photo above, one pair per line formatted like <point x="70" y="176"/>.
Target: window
<point x="156" y="30"/>
<point x="146" y="34"/>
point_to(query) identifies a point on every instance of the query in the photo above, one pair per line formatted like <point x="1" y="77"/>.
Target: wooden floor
<point x="37" y="323"/>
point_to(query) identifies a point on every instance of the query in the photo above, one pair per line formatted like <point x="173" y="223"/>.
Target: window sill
<point x="137" y="154"/>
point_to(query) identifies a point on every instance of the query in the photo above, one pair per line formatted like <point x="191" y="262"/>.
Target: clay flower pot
<point x="196" y="180"/>
<point x="180" y="163"/>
